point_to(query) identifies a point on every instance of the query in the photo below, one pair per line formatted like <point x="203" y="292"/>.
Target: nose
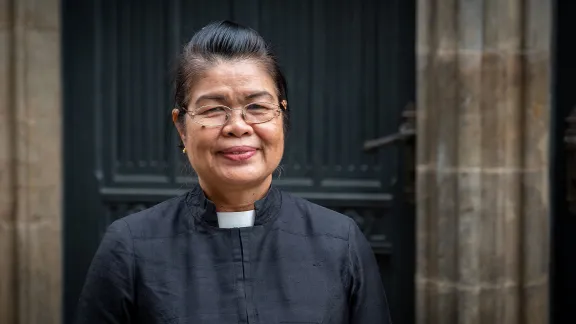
<point x="236" y="125"/>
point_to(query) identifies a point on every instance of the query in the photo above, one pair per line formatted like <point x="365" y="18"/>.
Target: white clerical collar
<point x="236" y="219"/>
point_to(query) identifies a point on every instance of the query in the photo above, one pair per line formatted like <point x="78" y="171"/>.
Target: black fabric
<point x="300" y="263"/>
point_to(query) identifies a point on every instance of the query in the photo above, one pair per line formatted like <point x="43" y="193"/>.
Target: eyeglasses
<point x="218" y="115"/>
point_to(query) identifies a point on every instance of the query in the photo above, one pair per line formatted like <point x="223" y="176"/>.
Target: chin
<point x="242" y="176"/>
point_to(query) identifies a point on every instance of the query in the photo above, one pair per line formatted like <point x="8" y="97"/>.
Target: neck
<point x="235" y="199"/>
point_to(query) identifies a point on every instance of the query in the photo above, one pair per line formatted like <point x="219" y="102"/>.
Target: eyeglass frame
<point x="282" y="106"/>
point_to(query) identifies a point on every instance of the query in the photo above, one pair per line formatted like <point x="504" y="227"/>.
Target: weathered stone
<point x="30" y="162"/>
<point x="39" y="280"/>
<point x="5" y="16"/>
<point x="7" y="195"/>
<point x="483" y="123"/>
<point x="38" y="14"/>
<point x="6" y="130"/>
<point x="8" y="284"/>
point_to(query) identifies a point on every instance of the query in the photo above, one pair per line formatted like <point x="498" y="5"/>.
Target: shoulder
<point x="305" y="215"/>
<point x="161" y="220"/>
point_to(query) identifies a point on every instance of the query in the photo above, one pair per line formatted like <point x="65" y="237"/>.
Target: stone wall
<point x="482" y="161"/>
<point x="30" y="162"/>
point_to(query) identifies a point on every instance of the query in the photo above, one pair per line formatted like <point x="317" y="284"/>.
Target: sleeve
<point x="108" y="293"/>
<point x="368" y="304"/>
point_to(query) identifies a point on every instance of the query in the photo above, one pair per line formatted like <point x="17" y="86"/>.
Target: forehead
<point x="232" y="80"/>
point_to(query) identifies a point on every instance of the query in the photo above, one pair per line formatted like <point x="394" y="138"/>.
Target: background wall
<point x="30" y="162"/>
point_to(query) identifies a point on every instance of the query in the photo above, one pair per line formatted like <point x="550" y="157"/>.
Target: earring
<point x="184" y="150"/>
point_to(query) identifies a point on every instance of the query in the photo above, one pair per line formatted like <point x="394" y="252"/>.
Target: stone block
<point x="5" y="15"/>
<point x="38" y="120"/>
<point x="39" y="278"/>
<point x="537" y="101"/>
<point x="38" y="14"/>
<point x="536" y="246"/>
<point x="38" y="204"/>
<point x="8" y="283"/>
<point x="6" y="130"/>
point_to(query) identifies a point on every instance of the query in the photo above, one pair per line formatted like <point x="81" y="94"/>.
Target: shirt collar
<point x="204" y="211"/>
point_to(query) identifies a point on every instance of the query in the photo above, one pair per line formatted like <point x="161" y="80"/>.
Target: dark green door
<point x="563" y="166"/>
<point x="350" y="70"/>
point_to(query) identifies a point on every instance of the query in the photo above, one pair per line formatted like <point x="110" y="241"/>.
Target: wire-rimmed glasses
<point x="218" y="115"/>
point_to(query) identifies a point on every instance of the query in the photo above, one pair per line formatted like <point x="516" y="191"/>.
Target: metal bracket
<point x="405" y="135"/>
<point x="406" y="131"/>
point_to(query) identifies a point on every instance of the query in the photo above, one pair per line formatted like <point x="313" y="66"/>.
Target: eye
<point x="260" y="108"/>
<point x="211" y="110"/>
<point x="255" y="106"/>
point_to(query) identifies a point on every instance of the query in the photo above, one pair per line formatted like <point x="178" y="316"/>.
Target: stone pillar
<point x="483" y="96"/>
<point x="7" y="169"/>
<point x="30" y="162"/>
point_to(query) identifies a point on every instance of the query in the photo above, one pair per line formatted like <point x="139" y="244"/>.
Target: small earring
<point x="184" y="150"/>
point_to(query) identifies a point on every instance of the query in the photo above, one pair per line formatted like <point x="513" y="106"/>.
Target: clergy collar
<point x="204" y="210"/>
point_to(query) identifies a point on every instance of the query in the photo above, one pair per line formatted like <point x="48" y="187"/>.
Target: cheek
<point x="198" y="143"/>
<point x="273" y="138"/>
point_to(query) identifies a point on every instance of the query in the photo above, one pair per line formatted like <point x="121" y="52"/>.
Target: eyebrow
<point x="211" y="97"/>
<point x="222" y="98"/>
<point x="259" y="94"/>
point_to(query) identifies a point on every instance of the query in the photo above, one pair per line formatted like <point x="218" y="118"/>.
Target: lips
<point x="238" y="149"/>
<point x="238" y="153"/>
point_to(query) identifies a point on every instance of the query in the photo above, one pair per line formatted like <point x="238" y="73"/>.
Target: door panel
<point x="563" y="166"/>
<point x="350" y="72"/>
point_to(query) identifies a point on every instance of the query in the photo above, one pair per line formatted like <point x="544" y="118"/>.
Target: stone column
<point x="30" y="162"/>
<point x="7" y="170"/>
<point x="482" y="161"/>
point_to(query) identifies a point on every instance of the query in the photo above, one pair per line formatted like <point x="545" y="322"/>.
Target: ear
<point x="179" y="125"/>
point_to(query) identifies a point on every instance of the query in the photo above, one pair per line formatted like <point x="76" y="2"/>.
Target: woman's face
<point x="237" y="153"/>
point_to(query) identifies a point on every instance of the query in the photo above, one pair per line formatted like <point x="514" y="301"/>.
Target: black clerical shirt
<point x="299" y="263"/>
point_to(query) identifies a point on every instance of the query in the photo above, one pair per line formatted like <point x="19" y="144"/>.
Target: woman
<point x="234" y="249"/>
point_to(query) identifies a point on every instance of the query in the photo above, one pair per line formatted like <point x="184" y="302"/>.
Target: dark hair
<point x="225" y="41"/>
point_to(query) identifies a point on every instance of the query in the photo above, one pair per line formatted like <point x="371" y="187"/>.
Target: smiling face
<point x="236" y="154"/>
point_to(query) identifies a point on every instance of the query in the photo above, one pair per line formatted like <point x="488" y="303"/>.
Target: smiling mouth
<point x="238" y="153"/>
